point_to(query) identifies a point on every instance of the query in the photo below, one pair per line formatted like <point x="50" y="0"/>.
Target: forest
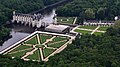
<point x="91" y="9"/>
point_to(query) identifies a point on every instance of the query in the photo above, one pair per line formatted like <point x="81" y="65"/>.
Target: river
<point x="19" y="31"/>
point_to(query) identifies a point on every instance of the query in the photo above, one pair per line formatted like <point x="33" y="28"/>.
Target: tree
<point x="101" y="14"/>
<point x="117" y="24"/>
<point x="103" y="9"/>
<point x="89" y="14"/>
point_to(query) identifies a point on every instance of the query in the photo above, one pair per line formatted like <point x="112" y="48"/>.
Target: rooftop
<point x="56" y="28"/>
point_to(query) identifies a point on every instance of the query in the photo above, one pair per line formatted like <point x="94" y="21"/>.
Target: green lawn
<point x="19" y="54"/>
<point x="39" y="46"/>
<point x="98" y="33"/>
<point x="64" y="20"/>
<point x="103" y="28"/>
<point x="44" y="37"/>
<point x="83" y="31"/>
<point x="57" y="45"/>
<point x="58" y="38"/>
<point x="47" y="52"/>
<point x="21" y="47"/>
<point x="32" y="41"/>
<point x="88" y="27"/>
<point x="35" y="56"/>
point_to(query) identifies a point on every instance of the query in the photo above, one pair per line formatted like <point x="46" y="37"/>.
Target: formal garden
<point x="37" y="47"/>
<point x="103" y="28"/>
<point x="65" y="20"/>
<point x="89" y="29"/>
<point x="82" y="31"/>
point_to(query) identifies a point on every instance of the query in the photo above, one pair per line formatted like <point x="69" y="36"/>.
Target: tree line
<point x="91" y="9"/>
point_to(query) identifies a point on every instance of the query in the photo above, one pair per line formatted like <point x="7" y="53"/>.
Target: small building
<point x="98" y="23"/>
<point x="91" y="22"/>
<point x="106" y="23"/>
<point x="58" y="28"/>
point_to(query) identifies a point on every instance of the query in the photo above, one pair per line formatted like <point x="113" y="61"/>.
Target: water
<point x="19" y="31"/>
<point x="16" y="36"/>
